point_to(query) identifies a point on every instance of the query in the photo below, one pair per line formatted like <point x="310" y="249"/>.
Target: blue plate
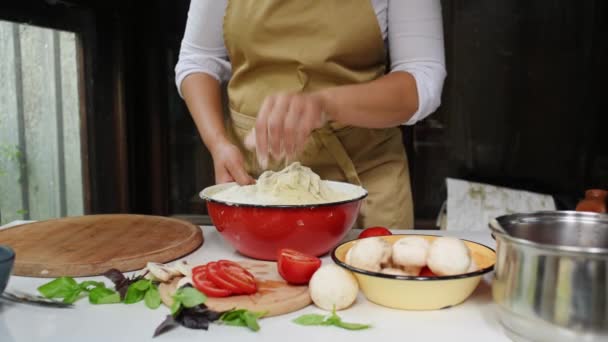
<point x="7" y="258"/>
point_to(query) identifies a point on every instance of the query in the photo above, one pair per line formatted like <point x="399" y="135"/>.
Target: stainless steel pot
<point x="551" y="275"/>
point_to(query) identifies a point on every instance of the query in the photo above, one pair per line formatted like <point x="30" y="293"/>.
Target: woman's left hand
<point x="283" y="125"/>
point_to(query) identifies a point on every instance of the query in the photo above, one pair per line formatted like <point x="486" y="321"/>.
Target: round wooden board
<point x="274" y="296"/>
<point x="90" y="245"/>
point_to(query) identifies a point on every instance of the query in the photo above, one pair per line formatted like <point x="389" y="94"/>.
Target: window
<point x="41" y="173"/>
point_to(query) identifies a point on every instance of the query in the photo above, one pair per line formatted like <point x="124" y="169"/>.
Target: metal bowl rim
<point x="504" y="220"/>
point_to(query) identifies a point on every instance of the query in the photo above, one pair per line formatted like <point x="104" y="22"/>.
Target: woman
<point x="308" y="82"/>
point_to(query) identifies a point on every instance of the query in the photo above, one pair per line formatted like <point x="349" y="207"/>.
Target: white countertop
<point x="474" y="320"/>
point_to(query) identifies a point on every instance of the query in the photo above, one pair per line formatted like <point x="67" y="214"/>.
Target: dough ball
<point x="410" y="251"/>
<point x="369" y="254"/>
<point x="405" y="271"/>
<point x="332" y="286"/>
<point x="448" y="256"/>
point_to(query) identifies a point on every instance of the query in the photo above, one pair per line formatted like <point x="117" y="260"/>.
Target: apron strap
<point x="328" y="138"/>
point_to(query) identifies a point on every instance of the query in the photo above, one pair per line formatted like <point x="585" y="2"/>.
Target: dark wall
<point x="522" y="105"/>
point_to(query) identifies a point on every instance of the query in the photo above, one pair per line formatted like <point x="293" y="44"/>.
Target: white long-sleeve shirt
<point x="412" y="30"/>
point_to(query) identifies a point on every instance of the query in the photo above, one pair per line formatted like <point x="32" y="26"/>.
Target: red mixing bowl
<point x="259" y="231"/>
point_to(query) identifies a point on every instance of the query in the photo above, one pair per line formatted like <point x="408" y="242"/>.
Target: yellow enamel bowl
<point x="419" y="293"/>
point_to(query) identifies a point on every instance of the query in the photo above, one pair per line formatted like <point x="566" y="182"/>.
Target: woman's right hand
<point x="229" y="165"/>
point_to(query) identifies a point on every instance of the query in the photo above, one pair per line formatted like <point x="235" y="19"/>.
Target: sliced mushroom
<point x="158" y="272"/>
<point x="184" y="281"/>
<point x="183" y="268"/>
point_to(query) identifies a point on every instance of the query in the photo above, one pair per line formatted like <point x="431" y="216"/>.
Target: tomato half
<point x="296" y="267"/>
<point x="207" y="287"/>
<point x="374" y="231"/>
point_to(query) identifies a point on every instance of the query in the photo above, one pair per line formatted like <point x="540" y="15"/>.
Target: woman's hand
<point x="284" y="123"/>
<point x="229" y="165"/>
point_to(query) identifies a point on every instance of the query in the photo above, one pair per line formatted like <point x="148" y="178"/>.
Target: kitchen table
<point x="474" y="320"/>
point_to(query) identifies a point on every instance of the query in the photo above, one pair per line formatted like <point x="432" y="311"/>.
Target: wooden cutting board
<point x="90" y="245"/>
<point x="274" y="295"/>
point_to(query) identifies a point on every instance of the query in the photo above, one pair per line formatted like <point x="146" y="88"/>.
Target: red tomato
<point x="426" y="272"/>
<point x="296" y="267"/>
<point x="374" y="231"/>
<point x="208" y="287"/>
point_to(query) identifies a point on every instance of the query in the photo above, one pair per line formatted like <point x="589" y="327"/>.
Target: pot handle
<point x="496" y="227"/>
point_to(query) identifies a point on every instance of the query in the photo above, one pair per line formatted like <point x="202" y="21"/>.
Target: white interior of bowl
<point x="355" y="192"/>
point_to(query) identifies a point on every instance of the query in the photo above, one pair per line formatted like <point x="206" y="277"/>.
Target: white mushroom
<point x="157" y="271"/>
<point x="405" y="271"/>
<point x="184" y="281"/>
<point x="369" y="254"/>
<point x="410" y="251"/>
<point x="448" y="256"/>
<point x="333" y="287"/>
<point x="183" y="268"/>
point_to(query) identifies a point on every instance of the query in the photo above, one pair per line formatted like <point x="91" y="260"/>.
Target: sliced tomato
<point x="207" y="287"/>
<point x="426" y="272"/>
<point x="236" y="268"/>
<point x="199" y="269"/>
<point x="374" y="231"/>
<point x="296" y="267"/>
<point x="238" y="277"/>
<point x="214" y="274"/>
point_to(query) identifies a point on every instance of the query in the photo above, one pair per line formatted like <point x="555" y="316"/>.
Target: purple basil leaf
<point x="115" y="276"/>
<point x="121" y="283"/>
<point x="166" y="325"/>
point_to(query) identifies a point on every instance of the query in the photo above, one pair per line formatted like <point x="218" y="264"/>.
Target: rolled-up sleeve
<point x="415" y="36"/>
<point x="202" y="49"/>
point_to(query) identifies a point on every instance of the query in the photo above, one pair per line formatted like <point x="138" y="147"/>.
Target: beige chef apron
<point x="279" y="46"/>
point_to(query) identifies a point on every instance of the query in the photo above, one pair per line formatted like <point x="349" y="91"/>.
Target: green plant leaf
<point x="176" y="306"/>
<point x="142" y="284"/>
<point x="251" y="320"/>
<point x="332" y="319"/>
<point x="189" y="297"/>
<point x="310" y="319"/>
<point x="242" y="318"/>
<point x="72" y="296"/>
<point x="352" y="326"/>
<point x="88" y="285"/>
<point x="103" y="295"/>
<point x="58" y="288"/>
<point x="134" y="295"/>
<point x="152" y="297"/>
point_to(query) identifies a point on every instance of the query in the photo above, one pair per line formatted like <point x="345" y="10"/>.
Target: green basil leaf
<point x="310" y="319"/>
<point x="58" y="288"/>
<point x="190" y="297"/>
<point x="103" y="295"/>
<point x="235" y="323"/>
<point x="251" y="320"/>
<point x="232" y="315"/>
<point x="352" y="326"/>
<point x="72" y="296"/>
<point x="152" y="297"/>
<point x="177" y="304"/>
<point x="142" y="284"/>
<point x="134" y="295"/>
<point x="88" y="285"/>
